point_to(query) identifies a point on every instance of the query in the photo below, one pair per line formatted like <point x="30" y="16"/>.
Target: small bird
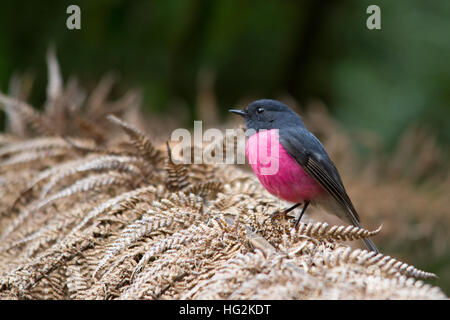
<point x="304" y="171"/>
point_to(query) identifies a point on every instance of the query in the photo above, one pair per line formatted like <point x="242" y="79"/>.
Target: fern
<point x="93" y="182"/>
<point x="177" y="174"/>
<point x="26" y="112"/>
<point x="321" y="230"/>
<point x="139" y="141"/>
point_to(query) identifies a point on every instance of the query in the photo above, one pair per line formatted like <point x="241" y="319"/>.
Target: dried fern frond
<point x="369" y="258"/>
<point x="179" y="201"/>
<point x="117" y="203"/>
<point x="90" y="129"/>
<point x="177" y="174"/>
<point x="25" y="158"/>
<point x="403" y="288"/>
<point x="54" y="84"/>
<point x="51" y="231"/>
<point x="19" y="88"/>
<point x="6" y="139"/>
<point x="96" y="164"/>
<point x="139" y="141"/>
<point x="38" y="144"/>
<point x="63" y="172"/>
<point x="96" y="101"/>
<point x="194" y="233"/>
<point x="28" y="114"/>
<point x="208" y="189"/>
<point x="145" y="227"/>
<point x="321" y="230"/>
<point x="93" y="182"/>
<point x="78" y="280"/>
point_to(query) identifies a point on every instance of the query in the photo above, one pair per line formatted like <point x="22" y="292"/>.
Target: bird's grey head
<point x="269" y="114"/>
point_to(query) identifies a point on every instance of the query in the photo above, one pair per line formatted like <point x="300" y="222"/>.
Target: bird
<point x="292" y="164"/>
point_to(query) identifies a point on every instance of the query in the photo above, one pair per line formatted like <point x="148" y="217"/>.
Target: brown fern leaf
<point x="123" y="164"/>
<point x="19" y="88"/>
<point x="91" y="129"/>
<point x="93" y="182"/>
<point x="180" y="201"/>
<point x="55" y="81"/>
<point x="95" y="149"/>
<point x="129" y="101"/>
<point x="119" y="203"/>
<point x="51" y="287"/>
<point x="63" y="171"/>
<point x="196" y="233"/>
<point x="29" y="158"/>
<point x="97" y="98"/>
<point x="177" y="174"/>
<point x="386" y="264"/>
<point x="143" y="145"/>
<point x="26" y="276"/>
<point x="51" y="231"/>
<point x="28" y="114"/>
<point x="6" y="139"/>
<point x="144" y="227"/>
<point x="206" y="190"/>
<point x="225" y="201"/>
<point x="78" y="280"/>
<point x="321" y="230"/>
<point x="38" y="144"/>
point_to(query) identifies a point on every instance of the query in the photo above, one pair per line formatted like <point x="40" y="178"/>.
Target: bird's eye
<point x="260" y="110"/>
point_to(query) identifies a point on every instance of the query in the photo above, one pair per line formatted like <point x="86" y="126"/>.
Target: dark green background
<point x="378" y="79"/>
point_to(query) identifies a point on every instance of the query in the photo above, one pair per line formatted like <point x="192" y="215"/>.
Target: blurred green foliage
<point x="383" y="80"/>
<point x="377" y="79"/>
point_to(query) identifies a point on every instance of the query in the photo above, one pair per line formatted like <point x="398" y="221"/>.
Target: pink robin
<point x="292" y="164"/>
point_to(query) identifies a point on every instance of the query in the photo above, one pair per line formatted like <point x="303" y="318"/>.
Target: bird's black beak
<point x="239" y="112"/>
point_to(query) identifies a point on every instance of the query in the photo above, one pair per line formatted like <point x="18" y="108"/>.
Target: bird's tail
<point x="370" y="245"/>
<point x="348" y="214"/>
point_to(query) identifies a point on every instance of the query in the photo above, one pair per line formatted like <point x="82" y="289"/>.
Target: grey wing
<point x="307" y="150"/>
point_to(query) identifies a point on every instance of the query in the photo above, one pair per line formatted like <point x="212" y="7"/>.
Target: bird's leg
<point x="278" y="214"/>
<point x="301" y="214"/>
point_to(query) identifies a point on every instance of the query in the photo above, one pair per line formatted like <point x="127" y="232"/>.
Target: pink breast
<point x="277" y="171"/>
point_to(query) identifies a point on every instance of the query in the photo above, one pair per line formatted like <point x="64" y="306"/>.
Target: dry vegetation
<point x="87" y="212"/>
